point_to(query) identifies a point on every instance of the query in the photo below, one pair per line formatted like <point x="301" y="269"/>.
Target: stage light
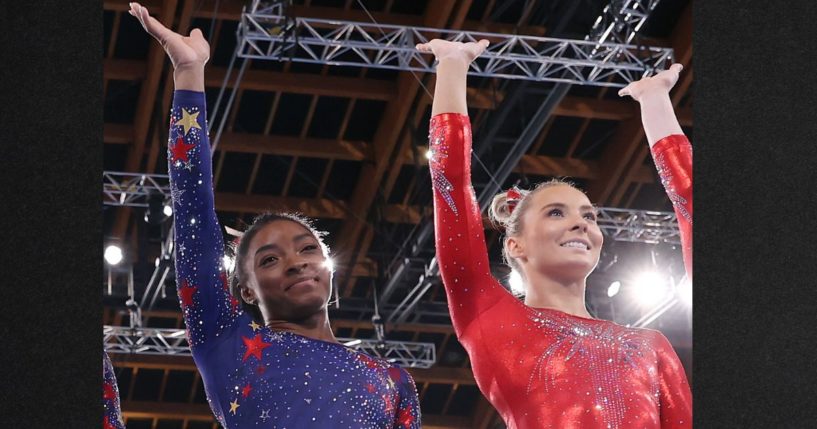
<point x="113" y="254"/>
<point x="329" y="264"/>
<point x="650" y="287"/>
<point x="613" y="289"/>
<point x="516" y="282"/>
<point x="229" y="263"/>
<point x="156" y="262"/>
<point x="167" y="210"/>
<point x="429" y="154"/>
<point x="684" y="291"/>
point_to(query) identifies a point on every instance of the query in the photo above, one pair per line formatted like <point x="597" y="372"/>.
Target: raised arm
<point x="199" y="248"/>
<point x="669" y="146"/>
<point x="459" y="237"/>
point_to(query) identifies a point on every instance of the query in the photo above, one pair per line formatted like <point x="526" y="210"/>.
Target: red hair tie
<point x="513" y="197"/>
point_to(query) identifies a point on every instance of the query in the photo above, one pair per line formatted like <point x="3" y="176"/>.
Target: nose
<point x="579" y="224"/>
<point x="297" y="267"/>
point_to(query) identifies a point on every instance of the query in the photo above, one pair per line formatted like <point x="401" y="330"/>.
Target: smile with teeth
<point x="576" y="244"/>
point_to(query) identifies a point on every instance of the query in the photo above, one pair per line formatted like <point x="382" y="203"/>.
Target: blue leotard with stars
<point x="256" y="377"/>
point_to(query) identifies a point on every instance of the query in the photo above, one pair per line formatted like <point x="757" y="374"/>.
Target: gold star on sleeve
<point x="234" y="406"/>
<point x="255" y="326"/>
<point x="188" y="121"/>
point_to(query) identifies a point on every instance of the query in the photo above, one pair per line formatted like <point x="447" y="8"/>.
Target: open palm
<point x="184" y="51"/>
<point x="447" y="49"/>
<point x="661" y="82"/>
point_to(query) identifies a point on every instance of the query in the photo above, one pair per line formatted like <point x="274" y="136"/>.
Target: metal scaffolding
<point x="173" y="342"/>
<point x="640" y="226"/>
<point x="268" y="32"/>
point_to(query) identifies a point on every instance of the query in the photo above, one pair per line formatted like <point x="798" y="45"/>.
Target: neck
<point x="565" y="295"/>
<point x="315" y="326"/>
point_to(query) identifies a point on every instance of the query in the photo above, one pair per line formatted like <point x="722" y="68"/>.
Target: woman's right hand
<point x="190" y="52"/>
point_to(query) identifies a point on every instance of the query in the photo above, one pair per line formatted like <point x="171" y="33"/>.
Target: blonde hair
<point x="508" y="213"/>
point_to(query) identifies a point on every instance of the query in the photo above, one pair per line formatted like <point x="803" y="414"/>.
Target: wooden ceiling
<point x="344" y="146"/>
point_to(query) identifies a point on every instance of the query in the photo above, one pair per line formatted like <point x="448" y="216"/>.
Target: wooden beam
<point x="144" y="109"/>
<point x="619" y="154"/>
<point x="271" y="81"/>
<point x="385" y="139"/>
<point x="304" y="83"/>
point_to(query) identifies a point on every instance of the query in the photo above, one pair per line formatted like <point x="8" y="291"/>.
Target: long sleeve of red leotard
<point x="673" y="159"/>
<point x="458" y="228"/>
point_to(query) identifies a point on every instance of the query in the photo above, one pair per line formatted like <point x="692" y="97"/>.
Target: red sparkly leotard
<point x="673" y="158"/>
<point x="542" y="368"/>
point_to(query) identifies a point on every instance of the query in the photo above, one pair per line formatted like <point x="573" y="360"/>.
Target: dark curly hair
<point x="240" y="251"/>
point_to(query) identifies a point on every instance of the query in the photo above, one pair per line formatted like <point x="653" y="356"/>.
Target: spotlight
<point x="684" y="290"/>
<point x="329" y="264"/>
<point x="113" y="254"/>
<point x="429" y="154"/>
<point x="229" y="263"/>
<point x="516" y="282"/>
<point x="156" y="262"/>
<point x="613" y="289"/>
<point x="167" y="210"/>
<point x="650" y="287"/>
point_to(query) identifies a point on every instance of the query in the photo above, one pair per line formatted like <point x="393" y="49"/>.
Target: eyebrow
<point x="273" y="246"/>
<point x="561" y="205"/>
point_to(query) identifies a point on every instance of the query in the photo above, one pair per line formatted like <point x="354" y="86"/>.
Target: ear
<point x="248" y="295"/>
<point x="516" y="248"/>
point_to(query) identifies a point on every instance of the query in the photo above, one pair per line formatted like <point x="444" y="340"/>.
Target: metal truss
<point x="267" y="32"/>
<point x="173" y="342"/>
<point x="620" y="21"/>
<point x="639" y="226"/>
<point x="133" y="189"/>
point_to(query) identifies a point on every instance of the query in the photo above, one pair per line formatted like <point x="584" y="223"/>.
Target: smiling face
<point x="285" y="272"/>
<point x="559" y="238"/>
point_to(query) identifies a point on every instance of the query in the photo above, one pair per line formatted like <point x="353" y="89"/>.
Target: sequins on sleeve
<point x="458" y="226"/>
<point x="673" y="159"/>
<point x="201" y="279"/>
<point x="110" y="396"/>
<point x="675" y="394"/>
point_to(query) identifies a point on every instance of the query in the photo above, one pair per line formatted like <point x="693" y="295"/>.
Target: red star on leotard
<point x="186" y="293"/>
<point x="254" y="346"/>
<point x="261" y="369"/>
<point x="389" y="406"/>
<point x="370" y="387"/>
<point x="245" y="391"/>
<point x="371" y="363"/>
<point x="179" y="150"/>
<point x="107" y="423"/>
<point x="405" y="417"/>
<point x="394" y="374"/>
<point x="108" y="392"/>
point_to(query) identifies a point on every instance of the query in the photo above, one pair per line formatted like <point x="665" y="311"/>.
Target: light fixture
<point x="167" y="210"/>
<point x="229" y="263"/>
<point x="684" y="290"/>
<point x="329" y="264"/>
<point x="650" y="287"/>
<point x="613" y="289"/>
<point x="113" y="254"/>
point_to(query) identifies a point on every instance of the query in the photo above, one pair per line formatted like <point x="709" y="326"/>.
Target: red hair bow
<point x="514" y="196"/>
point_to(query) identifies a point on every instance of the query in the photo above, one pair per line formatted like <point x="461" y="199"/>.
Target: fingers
<point x="623" y="92"/>
<point x="677" y="67"/>
<point x="197" y="34"/>
<point x="423" y="47"/>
